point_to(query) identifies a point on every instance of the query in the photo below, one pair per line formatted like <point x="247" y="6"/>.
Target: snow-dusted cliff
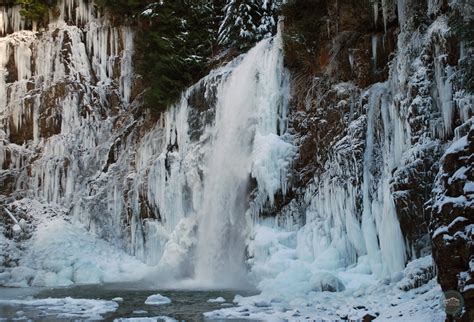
<point x="253" y="177"/>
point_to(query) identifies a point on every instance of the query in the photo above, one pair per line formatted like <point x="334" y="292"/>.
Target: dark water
<point x="185" y="305"/>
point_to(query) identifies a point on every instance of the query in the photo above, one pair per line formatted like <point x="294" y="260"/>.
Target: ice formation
<point x="186" y="195"/>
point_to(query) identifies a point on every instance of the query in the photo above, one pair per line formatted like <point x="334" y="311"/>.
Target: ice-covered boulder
<point x="322" y="282"/>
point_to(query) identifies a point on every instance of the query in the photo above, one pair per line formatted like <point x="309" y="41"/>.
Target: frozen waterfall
<point x="246" y="140"/>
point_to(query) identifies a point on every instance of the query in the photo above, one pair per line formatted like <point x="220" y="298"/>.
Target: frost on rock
<point x="452" y="220"/>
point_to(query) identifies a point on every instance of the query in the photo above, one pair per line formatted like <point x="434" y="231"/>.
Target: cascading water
<point x="248" y="112"/>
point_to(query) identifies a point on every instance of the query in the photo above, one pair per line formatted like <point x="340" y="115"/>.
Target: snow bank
<point x="386" y="302"/>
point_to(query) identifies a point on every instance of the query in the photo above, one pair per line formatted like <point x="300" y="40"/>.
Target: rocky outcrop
<point x="452" y="222"/>
<point x="409" y="52"/>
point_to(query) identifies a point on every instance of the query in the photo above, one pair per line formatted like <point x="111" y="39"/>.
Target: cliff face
<point x="371" y="129"/>
<point x="403" y="124"/>
<point x="67" y="98"/>
<point x="351" y="168"/>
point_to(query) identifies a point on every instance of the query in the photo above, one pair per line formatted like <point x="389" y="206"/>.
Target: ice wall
<point x="59" y="92"/>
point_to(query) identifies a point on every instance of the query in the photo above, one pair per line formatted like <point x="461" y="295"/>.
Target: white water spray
<point x="248" y="113"/>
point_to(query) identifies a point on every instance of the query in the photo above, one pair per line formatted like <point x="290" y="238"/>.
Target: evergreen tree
<point x="247" y="21"/>
<point x="174" y="50"/>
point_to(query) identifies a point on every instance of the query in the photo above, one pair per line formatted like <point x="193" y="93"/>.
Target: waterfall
<point x="247" y="117"/>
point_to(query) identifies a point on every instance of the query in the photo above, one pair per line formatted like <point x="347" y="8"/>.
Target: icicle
<point x="126" y="73"/>
<point x="385" y="13"/>
<point x="23" y="60"/>
<point x="328" y="25"/>
<point x="3" y="21"/>
<point x="375" y="39"/>
<point x="402" y="11"/>
<point x="351" y="60"/>
<point x="4" y="56"/>
<point x="444" y="90"/>
<point x="376" y="11"/>
<point x="379" y="219"/>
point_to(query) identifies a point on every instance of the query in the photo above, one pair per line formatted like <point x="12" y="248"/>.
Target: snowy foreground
<point x="60" y="253"/>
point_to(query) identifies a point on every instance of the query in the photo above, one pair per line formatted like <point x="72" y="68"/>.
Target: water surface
<point x="186" y="305"/>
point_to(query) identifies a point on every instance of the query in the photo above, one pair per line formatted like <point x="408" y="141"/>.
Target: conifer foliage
<point x="174" y="49"/>
<point x="247" y="21"/>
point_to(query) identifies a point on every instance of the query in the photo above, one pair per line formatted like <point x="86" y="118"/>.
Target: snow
<point x="460" y="174"/>
<point x="219" y="299"/>
<point x="117" y="299"/>
<point x="157" y="299"/>
<point x="440" y="230"/>
<point x="61" y="253"/>
<point x="386" y="302"/>
<point x="469" y="187"/>
<point x="458" y="145"/>
<point x="67" y="308"/>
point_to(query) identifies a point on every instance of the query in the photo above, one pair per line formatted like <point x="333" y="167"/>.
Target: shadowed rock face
<point x="452" y="219"/>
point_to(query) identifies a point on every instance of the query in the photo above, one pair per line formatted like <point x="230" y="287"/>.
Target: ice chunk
<point x="219" y="299"/>
<point x="147" y="319"/>
<point x="157" y="299"/>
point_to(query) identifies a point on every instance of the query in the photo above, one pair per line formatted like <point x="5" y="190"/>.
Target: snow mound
<point x="117" y="299"/>
<point x="219" y="299"/>
<point x="418" y="272"/>
<point x="157" y="299"/>
<point x="67" y="308"/>
<point x="61" y="253"/>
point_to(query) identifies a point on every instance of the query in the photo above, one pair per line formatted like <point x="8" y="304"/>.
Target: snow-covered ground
<point x="294" y="287"/>
<point x="384" y="301"/>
